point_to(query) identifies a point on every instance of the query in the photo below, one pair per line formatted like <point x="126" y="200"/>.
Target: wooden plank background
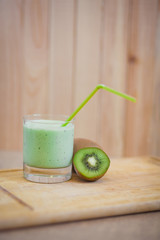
<point x="54" y="52"/>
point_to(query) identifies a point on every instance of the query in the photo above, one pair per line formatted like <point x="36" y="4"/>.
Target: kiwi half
<point x="91" y="163"/>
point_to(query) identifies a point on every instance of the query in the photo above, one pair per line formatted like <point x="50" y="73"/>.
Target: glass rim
<point x="45" y="116"/>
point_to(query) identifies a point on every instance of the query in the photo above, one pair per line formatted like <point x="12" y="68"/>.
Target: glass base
<point x="46" y="175"/>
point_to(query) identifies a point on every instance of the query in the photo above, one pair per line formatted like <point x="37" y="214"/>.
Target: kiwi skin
<point x="93" y="178"/>
<point x="80" y="143"/>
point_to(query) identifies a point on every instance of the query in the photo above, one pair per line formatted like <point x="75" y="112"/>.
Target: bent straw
<point x="91" y="95"/>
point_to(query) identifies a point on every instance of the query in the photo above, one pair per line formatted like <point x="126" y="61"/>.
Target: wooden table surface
<point x="135" y="226"/>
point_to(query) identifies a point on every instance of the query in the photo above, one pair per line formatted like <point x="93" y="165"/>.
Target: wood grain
<point x="11" y="195"/>
<point x="130" y="186"/>
<point x="113" y="74"/>
<point x="35" y="82"/>
<point x="141" y="62"/>
<point x="53" y="53"/>
<point x="11" y="74"/>
<point x="61" y="41"/>
<point x="87" y="60"/>
<point x="15" y="206"/>
<point x="155" y="126"/>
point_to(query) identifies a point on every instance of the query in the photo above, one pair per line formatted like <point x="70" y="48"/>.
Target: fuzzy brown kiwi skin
<point x="80" y="143"/>
<point x="88" y="179"/>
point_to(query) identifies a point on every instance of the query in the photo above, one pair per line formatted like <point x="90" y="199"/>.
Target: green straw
<point x="91" y="95"/>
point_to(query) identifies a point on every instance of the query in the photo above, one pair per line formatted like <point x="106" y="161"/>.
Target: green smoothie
<point x="46" y="144"/>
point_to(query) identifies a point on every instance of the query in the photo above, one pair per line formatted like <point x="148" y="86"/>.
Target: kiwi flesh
<point x="91" y="163"/>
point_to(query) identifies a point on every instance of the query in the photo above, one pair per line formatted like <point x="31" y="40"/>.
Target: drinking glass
<point x="47" y="148"/>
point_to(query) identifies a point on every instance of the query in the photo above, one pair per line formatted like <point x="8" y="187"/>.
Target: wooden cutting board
<point x="131" y="185"/>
